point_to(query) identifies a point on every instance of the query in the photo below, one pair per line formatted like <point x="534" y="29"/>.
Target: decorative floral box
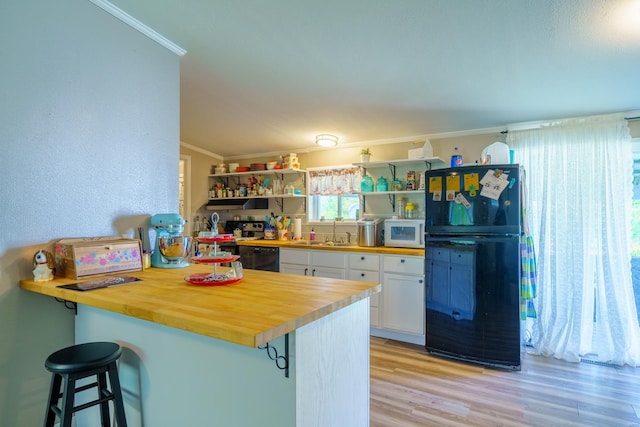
<point x="78" y="258"/>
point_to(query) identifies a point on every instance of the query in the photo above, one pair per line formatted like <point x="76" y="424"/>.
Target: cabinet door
<point x="403" y="303"/>
<point x="333" y="273"/>
<point x="374" y="301"/>
<point x="334" y="259"/>
<point x="295" y="256"/>
<point x="366" y="276"/>
<point x="302" y="270"/>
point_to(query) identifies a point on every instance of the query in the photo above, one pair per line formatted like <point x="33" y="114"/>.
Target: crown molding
<point x="134" y="23"/>
<point x="201" y="150"/>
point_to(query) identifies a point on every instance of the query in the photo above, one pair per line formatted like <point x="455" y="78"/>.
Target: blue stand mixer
<point x="171" y="248"/>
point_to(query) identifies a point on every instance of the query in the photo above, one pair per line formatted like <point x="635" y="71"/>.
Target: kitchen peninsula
<point x="194" y="355"/>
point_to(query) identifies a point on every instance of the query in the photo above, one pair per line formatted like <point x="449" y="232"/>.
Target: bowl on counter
<point x="174" y="249"/>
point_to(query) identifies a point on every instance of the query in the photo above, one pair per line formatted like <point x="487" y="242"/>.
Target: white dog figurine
<point x="43" y="266"/>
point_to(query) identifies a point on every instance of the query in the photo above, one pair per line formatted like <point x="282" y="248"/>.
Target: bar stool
<point x="81" y="361"/>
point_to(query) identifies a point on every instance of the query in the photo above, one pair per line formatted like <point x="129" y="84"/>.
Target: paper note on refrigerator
<point x="453" y="187"/>
<point x="471" y="180"/>
<point x="493" y="184"/>
<point x="435" y="184"/>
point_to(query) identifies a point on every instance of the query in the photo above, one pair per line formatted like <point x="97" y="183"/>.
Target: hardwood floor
<point x="412" y="388"/>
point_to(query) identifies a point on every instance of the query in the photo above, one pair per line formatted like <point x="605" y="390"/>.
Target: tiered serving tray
<point x="214" y="278"/>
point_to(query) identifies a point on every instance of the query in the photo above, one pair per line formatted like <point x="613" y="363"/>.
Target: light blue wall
<point x="89" y="146"/>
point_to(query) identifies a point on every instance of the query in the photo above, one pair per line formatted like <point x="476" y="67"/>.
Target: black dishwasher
<point x="260" y="258"/>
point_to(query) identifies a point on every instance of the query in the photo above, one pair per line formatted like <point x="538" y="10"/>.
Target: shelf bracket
<point x="280" y="202"/>
<point x="392" y="201"/>
<point x="392" y="169"/>
<point x="282" y="362"/>
<point x="363" y="202"/>
<point x="68" y="304"/>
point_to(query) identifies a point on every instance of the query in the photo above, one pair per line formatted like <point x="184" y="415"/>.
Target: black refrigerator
<point x="472" y="264"/>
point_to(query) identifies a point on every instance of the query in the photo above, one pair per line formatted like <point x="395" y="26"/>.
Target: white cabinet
<point x="451" y="281"/>
<point x="313" y="263"/>
<point x="366" y="268"/>
<point x="403" y="306"/>
<point x="398" y="311"/>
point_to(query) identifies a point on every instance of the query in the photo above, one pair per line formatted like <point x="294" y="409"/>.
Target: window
<point x="331" y="193"/>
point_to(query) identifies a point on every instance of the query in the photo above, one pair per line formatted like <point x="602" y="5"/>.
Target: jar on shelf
<point x="366" y="185"/>
<point x="401" y="206"/>
<point x="410" y="210"/>
<point x="382" y="184"/>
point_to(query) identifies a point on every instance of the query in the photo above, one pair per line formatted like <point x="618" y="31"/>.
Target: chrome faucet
<point x="334" y="230"/>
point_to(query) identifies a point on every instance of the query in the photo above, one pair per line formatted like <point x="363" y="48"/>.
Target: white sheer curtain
<point x="580" y="175"/>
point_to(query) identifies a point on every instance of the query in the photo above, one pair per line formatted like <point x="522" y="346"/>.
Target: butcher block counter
<point x="272" y="349"/>
<point x="258" y="309"/>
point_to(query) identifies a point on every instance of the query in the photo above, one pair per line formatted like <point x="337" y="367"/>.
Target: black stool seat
<point x="75" y="363"/>
<point x="82" y="357"/>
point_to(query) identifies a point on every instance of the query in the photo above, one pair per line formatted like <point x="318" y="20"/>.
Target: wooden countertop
<point x="305" y="244"/>
<point x="261" y="307"/>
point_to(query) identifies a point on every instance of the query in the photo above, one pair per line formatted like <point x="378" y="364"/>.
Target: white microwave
<point x="404" y="233"/>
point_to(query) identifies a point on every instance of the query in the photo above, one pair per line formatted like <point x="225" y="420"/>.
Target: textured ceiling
<point x="263" y="76"/>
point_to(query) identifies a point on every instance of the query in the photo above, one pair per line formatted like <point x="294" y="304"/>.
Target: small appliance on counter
<point x="171" y="248"/>
<point x="369" y="232"/>
<point x="404" y="233"/>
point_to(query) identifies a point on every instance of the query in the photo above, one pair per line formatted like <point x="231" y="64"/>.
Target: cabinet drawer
<point x="364" y="261"/>
<point x="364" y="275"/>
<point x="328" y="259"/>
<point x="404" y="264"/>
<point x="294" y="256"/>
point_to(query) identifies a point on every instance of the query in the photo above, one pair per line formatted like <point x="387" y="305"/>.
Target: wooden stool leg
<point x="54" y="393"/>
<point x="67" y="400"/>
<point x="103" y="391"/>
<point x="118" y="403"/>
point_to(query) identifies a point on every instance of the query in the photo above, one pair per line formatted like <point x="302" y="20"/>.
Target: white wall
<point x="89" y="131"/>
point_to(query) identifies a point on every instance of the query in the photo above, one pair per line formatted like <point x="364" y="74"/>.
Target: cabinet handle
<point x="361" y="258"/>
<point x="402" y="261"/>
<point x="313" y="272"/>
<point x="306" y="270"/>
<point x="361" y="274"/>
<point x="420" y="281"/>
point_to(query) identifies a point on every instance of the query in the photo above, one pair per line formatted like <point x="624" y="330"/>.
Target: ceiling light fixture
<point x="326" y="140"/>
